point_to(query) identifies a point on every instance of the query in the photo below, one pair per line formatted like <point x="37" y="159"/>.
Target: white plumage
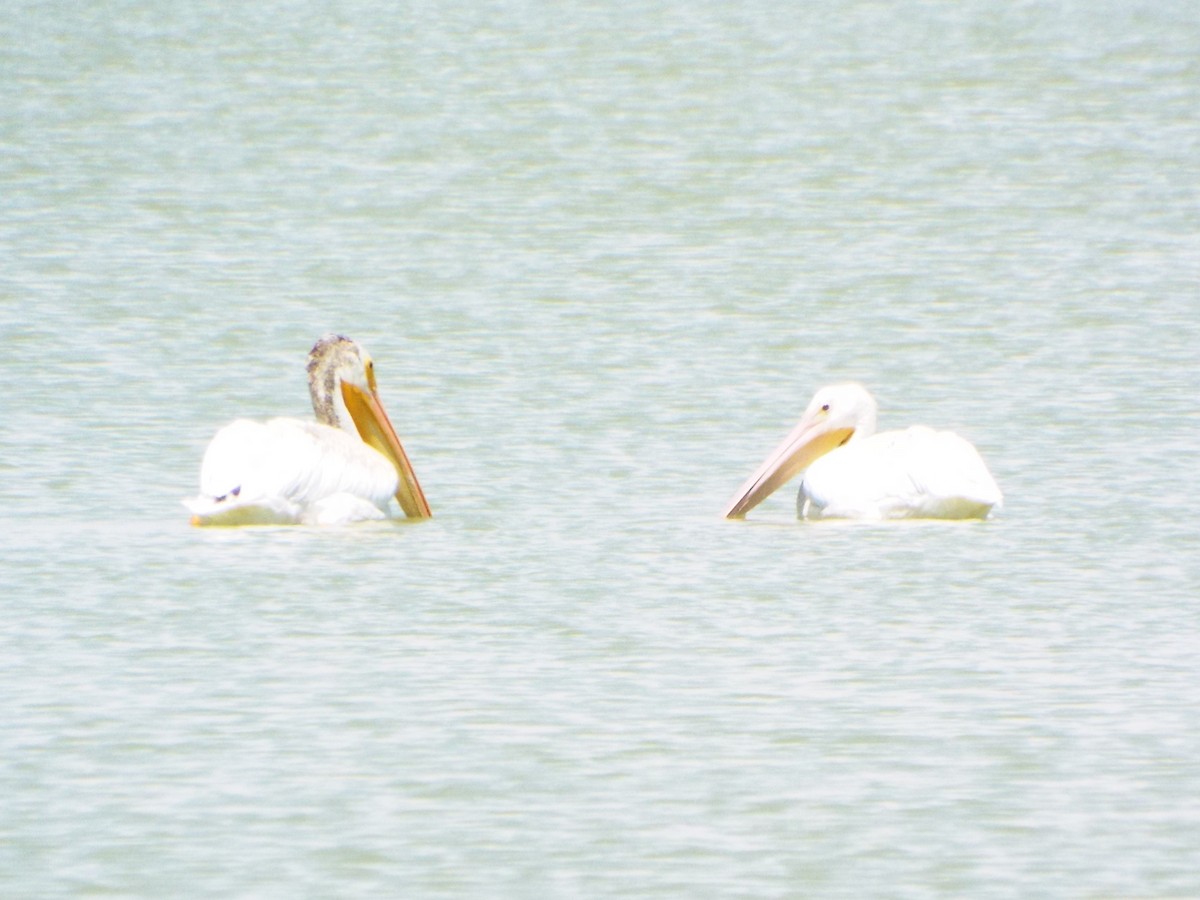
<point x="915" y="473"/>
<point x="851" y="472"/>
<point x="288" y="471"/>
<point x="343" y="468"/>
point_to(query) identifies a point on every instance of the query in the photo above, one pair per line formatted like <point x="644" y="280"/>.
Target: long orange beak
<point x="376" y="430"/>
<point x="807" y="442"/>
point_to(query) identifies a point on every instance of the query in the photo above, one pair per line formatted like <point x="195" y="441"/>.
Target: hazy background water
<point x="602" y="254"/>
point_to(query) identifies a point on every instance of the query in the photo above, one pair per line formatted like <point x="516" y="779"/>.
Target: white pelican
<point x="852" y="473"/>
<point x="344" y="467"/>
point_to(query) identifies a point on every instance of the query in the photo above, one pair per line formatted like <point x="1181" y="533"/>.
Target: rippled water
<point x="602" y="255"/>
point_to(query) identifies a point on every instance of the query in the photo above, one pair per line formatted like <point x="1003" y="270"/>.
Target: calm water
<point x="602" y="255"/>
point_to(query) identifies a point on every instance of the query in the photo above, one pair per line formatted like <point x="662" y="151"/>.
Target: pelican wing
<point x="286" y="471"/>
<point x="915" y="473"/>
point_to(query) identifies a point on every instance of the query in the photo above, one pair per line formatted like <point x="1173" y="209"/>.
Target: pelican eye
<point x="825" y="408"/>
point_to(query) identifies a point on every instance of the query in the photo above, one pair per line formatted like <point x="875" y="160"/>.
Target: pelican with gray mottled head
<point x="344" y="467"/>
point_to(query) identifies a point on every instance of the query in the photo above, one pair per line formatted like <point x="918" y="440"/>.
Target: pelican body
<point x="344" y="467"/>
<point x="850" y="472"/>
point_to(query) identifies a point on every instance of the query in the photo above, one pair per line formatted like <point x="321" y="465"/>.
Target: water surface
<point x="602" y="257"/>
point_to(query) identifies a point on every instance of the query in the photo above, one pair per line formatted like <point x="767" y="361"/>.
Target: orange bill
<point x="376" y="430"/>
<point x="807" y="442"/>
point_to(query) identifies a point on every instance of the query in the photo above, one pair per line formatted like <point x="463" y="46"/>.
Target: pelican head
<point x="341" y="379"/>
<point x="836" y="414"/>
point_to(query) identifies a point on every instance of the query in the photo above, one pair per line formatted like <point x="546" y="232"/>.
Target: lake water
<point x="602" y="255"/>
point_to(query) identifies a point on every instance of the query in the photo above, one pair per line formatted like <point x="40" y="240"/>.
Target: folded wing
<point x="286" y="471"/>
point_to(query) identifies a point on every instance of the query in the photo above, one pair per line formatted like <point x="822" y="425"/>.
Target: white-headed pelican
<point x="852" y="473"/>
<point x="344" y="467"/>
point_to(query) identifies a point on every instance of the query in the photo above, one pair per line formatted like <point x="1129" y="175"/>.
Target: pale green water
<point x="602" y="256"/>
